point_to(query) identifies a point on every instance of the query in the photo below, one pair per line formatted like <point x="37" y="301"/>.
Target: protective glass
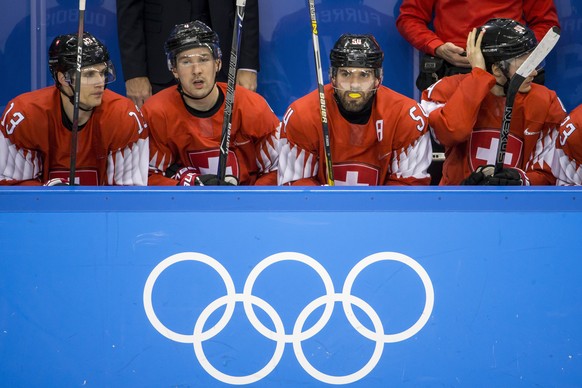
<point x="103" y="73"/>
<point x="203" y="59"/>
<point x="355" y="79"/>
<point x="515" y="63"/>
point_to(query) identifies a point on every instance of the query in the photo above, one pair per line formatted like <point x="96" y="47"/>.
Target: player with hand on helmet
<point x="377" y="136"/>
<point x="186" y="120"/>
<point x="36" y="127"/>
<point x="466" y="112"/>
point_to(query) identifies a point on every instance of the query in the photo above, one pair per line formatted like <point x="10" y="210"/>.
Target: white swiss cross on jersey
<point x="354" y="174"/>
<point x="483" y="147"/>
<point x="207" y="162"/>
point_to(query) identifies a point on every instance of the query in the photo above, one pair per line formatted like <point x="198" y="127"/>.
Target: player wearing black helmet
<point x="466" y="112"/>
<point x="186" y="120"/>
<point x="35" y="129"/>
<point x="377" y="136"/>
<point x="96" y="68"/>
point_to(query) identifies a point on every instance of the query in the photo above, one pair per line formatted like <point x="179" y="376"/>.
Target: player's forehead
<point x="355" y="70"/>
<point x="195" y="52"/>
<point x="99" y="67"/>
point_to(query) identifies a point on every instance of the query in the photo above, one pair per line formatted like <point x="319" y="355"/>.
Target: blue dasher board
<point x="290" y="287"/>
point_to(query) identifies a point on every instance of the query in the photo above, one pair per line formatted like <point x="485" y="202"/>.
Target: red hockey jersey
<point x="392" y="148"/>
<point x="35" y="146"/>
<point x="179" y="137"/>
<point x="567" y="165"/>
<point x="466" y="118"/>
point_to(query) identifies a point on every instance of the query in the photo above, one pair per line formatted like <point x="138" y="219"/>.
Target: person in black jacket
<point x="143" y="26"/>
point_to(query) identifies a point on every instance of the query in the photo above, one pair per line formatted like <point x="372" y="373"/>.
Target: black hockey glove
<point x="508" y="177"/>
<point x="212" y="180"/>
<point x="479" y="177"/>
<point x="484" y="176"/>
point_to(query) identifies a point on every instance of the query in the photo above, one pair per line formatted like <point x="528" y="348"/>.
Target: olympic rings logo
<point x="299" y="334"/>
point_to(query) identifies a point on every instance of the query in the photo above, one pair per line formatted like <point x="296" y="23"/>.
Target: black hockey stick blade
<point x="527" y="67"/>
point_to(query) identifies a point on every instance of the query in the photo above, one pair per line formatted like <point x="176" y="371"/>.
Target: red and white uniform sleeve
<point x="126" y="135"/>
<point x="392" y="148"/>
<point x="20" y="163"/>
<point x="567" y="163"/>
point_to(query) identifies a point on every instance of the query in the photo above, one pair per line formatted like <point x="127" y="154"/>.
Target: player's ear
<point x="496" y="70"/>
<point x="218" y="65"/>
<point x="61" y="78"/>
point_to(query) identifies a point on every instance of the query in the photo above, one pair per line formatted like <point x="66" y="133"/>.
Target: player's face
<point x="196" y="69"/>
<point x="92" y="85"/>
<point x="355" y="86"/>
<point x="514" y="64"/>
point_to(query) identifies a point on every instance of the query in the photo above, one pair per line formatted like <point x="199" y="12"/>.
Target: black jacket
<point x="144" y="25"/>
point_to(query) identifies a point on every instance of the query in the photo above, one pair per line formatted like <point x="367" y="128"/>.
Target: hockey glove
<point x="509" y="177"/>
<point x="57" y="182"/>
<point x="212" y="180"/>
<point x="479" y="177"/>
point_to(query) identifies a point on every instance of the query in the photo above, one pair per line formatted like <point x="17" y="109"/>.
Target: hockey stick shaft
<point x="231" y="85"/>
<point x="527" y="67"/>
<point x="322" y="105"/>
<point x="77" y="93"/>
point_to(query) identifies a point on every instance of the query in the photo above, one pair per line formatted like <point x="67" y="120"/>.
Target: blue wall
<point x="288" y="69"/>
<point x="127" y="287"/>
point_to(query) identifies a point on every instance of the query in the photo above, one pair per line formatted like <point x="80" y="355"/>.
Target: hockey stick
<point x="322" y="106"/>
<point x="77" y="93"/>
<point x="231" y="85"/>
<point x="532" y="62"/>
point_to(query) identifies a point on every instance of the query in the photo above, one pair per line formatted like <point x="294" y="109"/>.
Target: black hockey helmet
<point x="505" y="39"/>
<point x="352" y="50"/>
<point x="63" y="55"/>
<point x="190" y="35"/>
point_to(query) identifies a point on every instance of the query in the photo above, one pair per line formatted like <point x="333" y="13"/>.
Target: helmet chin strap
<point x="72" y="97"/>
<point x="505" y="73"/>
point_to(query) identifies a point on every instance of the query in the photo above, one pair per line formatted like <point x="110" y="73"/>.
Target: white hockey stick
<point x="531" y="63"/>
<point x="231" y="85"/>
<point x="322" y="106"/>
<point x="77" y="93"/>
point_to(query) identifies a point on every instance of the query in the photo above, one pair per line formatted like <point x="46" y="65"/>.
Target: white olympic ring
<point x="298" y="335"/>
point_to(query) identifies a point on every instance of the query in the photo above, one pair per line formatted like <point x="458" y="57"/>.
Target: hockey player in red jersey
<point x="186" y="120"/>
<point x="466" y="112"/>
<point x="567" y="165"/>
<point x="35" y="128"/>
<point x="377" y="136"/>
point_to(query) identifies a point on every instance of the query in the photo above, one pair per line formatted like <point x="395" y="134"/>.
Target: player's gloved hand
<point x="212" y="180"/>
<point x="479" y="177"/>
<point x="185" y="176"/>
<point x="508" y="177"/>
<point x="57" y="182"/>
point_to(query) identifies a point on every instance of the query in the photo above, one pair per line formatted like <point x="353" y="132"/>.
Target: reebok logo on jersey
<point x="530" y="133"/>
